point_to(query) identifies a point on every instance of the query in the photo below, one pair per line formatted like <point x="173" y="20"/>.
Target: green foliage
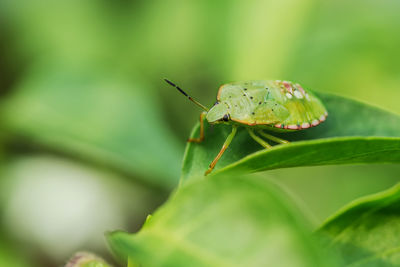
<point x="222" y="221"/>
<point x="76" y="112"/>
<point x="353" y="133"/>
<point x="244" y="221"/>
<point x="59" y="61"/>
<point x="366" y="232"/>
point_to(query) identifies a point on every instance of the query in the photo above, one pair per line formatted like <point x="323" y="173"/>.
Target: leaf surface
<point x="366" y="232"/>
<point x="354" y="132"/>
<point x="226" y="221"/>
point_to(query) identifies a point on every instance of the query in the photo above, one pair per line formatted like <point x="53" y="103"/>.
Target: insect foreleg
<point x="201" y="138"/>
<point x="273" y="138"/>
<point x="224" y="147"/>
<point x="258" y="139"/>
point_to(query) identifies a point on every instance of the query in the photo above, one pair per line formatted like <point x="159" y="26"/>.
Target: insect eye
<point x="226" y="117"/>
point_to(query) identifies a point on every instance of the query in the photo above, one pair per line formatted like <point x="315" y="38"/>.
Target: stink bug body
<point x="261" y="105"/>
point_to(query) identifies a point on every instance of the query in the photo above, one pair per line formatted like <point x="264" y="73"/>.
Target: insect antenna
<point x="185" y="94"/>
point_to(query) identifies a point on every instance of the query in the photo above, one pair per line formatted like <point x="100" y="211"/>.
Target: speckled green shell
<point x="278" y="104"/>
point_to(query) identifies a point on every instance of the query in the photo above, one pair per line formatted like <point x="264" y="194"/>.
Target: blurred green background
<point x="92" y="138"/>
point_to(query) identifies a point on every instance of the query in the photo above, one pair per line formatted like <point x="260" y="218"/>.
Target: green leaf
<point x="366" y="232"/>
<point x="235" y="221"/>
<point x="96" y="116"/>
<point x="354" y="132"/>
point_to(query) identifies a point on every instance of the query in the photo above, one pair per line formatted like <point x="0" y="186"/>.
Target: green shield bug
<point x="260" y="105"/>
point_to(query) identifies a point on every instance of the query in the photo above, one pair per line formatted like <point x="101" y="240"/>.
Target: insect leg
<point x="258" y="139"/>
<point x="273" y="138"/>
<point x="201" y="138"/>
<point x="224" y="147"/>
